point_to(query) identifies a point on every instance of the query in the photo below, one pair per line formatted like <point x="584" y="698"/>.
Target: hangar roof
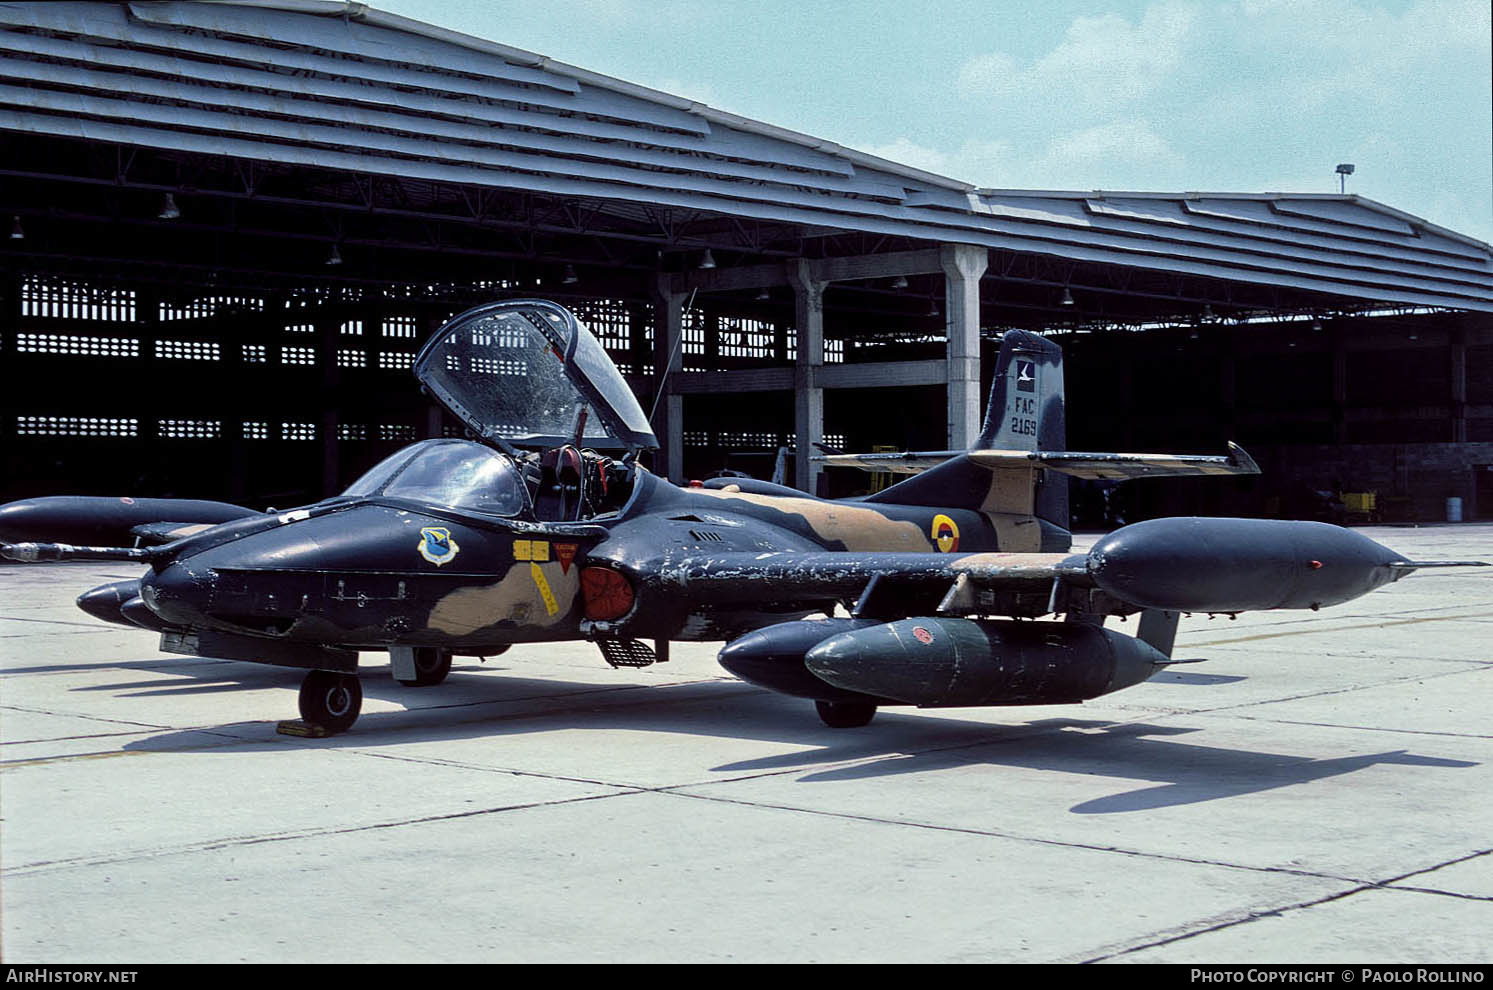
<point x="333" y="85"/>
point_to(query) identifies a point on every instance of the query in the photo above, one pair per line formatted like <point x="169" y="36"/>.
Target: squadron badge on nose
<point x="437" y="546"/>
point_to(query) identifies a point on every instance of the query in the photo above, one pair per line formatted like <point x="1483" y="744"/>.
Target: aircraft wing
<point x="880" y="583"/>
<point x="1176" y="564"/>
<point x="1107" y="467"/>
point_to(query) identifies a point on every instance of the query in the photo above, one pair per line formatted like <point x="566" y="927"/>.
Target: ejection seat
<point x="562" y="485"/>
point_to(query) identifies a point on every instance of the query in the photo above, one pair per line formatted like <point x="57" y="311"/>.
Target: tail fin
<point x="1025" y="411"/>
<point x="1028" y="506"/>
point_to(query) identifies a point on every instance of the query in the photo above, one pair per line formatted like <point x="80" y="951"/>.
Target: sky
<point x="1168" y="95"/>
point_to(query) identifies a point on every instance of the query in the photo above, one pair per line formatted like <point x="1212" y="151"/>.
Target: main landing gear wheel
<point x="331" y="700"/>
<point x="845" y="714"/>
<point x="432" y="664"/>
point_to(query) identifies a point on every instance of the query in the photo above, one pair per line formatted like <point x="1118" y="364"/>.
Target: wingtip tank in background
<point x="91" y="520"/>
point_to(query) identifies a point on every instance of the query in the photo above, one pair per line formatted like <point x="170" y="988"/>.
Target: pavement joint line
<point x="211" y="845"/>
<point x="1229" y="922"/>
<point x="161" y="665"/>
<point x="1391" y="682"/>
<point x="91" y="718"/>
<point x="1232" y="651"/>
<point x="1387" y="885"/>
<point x="1444" y="893"/>
<point x="1001" y="834"/>
<point x="622" y="789"/>
<point x="666" y="788"/>
<point x="567" y="694"/>
<point x="111" y="754"/>
<point x="507" y="771"/>
<point x="1368" y="728"/>
<point x="53" y="632"/>
<point x="1478" y="609"/>
<point x="91" y="626"/>
<point x="56" y="739"/>
<point x="1312" y="630"/>
<point x="311" y="744"/>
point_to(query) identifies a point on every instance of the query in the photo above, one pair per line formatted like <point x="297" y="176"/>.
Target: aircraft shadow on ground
<point x="472" y="706"/>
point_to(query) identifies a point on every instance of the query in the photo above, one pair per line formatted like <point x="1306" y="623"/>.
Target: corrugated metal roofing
<point x="338" y="85"/>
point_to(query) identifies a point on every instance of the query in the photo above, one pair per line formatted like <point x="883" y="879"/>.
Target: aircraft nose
<point x="105" y="601"/>
<point x="179" y="594"/>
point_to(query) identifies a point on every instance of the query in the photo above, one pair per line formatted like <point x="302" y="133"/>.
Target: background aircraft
<point x="544" y="527"/>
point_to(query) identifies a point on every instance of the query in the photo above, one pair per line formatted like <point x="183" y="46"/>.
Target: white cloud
<point x="973" y="161"/>
<point x="1116" y="146"/>
<point x="1102" y="156"/>
<point x="1102" y="62"/>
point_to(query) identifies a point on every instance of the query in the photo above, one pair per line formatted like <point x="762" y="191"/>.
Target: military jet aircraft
<point x="543" y="526"/>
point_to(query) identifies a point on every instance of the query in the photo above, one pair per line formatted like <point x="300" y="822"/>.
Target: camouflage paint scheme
<point x="508" y="557"/>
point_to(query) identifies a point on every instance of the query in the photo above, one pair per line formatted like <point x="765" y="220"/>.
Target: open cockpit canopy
<point x="526" y="374"/>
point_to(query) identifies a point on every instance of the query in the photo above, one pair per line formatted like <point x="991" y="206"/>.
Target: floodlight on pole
<point x="1343" y="171"/>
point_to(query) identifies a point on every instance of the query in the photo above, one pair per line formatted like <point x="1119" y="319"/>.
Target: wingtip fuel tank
<point x="1237" y="565"/>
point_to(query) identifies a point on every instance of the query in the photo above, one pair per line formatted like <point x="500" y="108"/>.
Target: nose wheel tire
<point x="331" y="700"/>
<point x="431" y="666"/>
<point x="845" y="714"/>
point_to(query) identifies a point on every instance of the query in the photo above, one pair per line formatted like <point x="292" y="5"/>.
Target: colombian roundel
<point x="436" y="545"/>
<point x="945" y="534"/>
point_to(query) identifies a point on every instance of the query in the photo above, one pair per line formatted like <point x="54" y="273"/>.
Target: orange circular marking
<point x="606" y="593"/>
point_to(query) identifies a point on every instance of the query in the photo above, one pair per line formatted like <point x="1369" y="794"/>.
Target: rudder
<point x="1025" y="409"/>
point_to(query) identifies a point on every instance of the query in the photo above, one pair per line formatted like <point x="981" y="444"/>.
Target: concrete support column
<point x="10" y="326"/>
<point x="808" y="397"/>
<point x="328" y="335"/>
<point x="963" y="265"/>
<point x="668" y="358"/>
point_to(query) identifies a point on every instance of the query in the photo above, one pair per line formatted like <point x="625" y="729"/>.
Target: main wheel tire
<point x="331" y="700"/>
<point x="845" y="714"/>
<point x="432" y="664"/>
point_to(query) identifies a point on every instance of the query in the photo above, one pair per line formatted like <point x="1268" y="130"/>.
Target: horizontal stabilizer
<point x="906" y="462"/>
<point x="1105" y="467"/>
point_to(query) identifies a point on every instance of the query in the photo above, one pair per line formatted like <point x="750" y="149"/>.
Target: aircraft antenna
<point x="659" y="392"/>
